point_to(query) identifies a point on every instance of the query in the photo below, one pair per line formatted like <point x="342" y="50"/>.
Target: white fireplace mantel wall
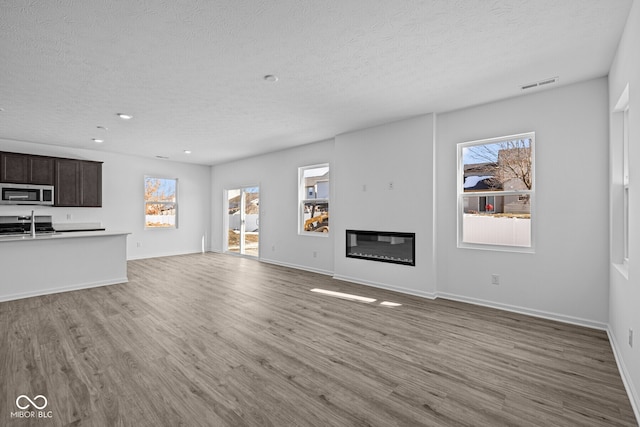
<point x="383" y="180"/>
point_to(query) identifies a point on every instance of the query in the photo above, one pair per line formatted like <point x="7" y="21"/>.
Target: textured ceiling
<point x="191" y="72"/>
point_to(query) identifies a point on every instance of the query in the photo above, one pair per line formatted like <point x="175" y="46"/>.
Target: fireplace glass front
<point x="383" y="246"/>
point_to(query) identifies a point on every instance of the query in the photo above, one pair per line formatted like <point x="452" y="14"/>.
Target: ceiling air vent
<point x="541" y="83"/>
<point x="529" y="86"/>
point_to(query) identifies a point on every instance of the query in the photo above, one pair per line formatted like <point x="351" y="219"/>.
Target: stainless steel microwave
<point x="26" y="194"/>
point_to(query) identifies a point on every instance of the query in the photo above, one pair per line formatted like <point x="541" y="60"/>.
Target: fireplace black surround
<point x="382" y="246"/>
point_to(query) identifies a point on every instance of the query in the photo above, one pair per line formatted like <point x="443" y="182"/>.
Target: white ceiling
<point x="191" y="72"/>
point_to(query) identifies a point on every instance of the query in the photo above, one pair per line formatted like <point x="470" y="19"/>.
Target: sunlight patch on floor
<point x="343" y="295"/>
<point x="354" y="297"/>
<point x="390" y="304"/>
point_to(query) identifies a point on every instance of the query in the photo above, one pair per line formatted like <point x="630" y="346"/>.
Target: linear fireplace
<point x="383" y="246"/>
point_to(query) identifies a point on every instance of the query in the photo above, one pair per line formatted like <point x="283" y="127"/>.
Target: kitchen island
<point x="58" y="262"/>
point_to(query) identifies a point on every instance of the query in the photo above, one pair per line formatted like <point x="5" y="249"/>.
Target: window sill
<point x="623" y="269"/>
<point x="311" y="233"/>
<point x="497" y="248"/>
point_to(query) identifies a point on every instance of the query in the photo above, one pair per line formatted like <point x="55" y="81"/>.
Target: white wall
<point x="366" y="162"/>
<point x="624" y="296"/>
<point x="277" y="176"/>
<point x="567" y="277"/>
<point x="123" y="199"/>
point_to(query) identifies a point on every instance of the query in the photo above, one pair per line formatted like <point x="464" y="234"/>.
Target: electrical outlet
<point x="138" y="244"/>
<point x="315" y="254"/>
<point x="68" y="217"/>
<point x="390" y="185"/>
<point x="495" y="279"/>
<point x="630" y="337"/>
<point x="364" y="187"/>
<point x="273" y="248"/>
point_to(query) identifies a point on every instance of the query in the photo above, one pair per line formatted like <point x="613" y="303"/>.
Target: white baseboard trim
<point x="296" y="266"/>
<point x="282" y="264"/>
<point x="433" y="295"/>
<point x="634" y="397"/>
<point x="386" y="286"/>
<point x="161" y="255"/>
<point x="41" y="292"/>
<point x="528" y="311"/>
<point x="507" y="307"/>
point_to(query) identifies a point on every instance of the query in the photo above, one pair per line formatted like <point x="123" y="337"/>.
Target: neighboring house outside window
<point x="161" y="202"/>
<point x="495" y="193"/>
<point x="313" y="184"/>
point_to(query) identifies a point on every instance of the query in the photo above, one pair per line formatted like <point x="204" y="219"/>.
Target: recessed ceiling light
<point x="187" y="151"/>
<point x="98" y="141"/>
<point x="271" y="78"/>
<point x="124" y="116"/>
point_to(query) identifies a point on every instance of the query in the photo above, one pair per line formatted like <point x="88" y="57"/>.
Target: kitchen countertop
<point x="61" y="235"/>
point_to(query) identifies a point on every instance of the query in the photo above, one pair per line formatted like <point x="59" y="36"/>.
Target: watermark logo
<point x="24" y="397"/>
<point x="39" y="402"/>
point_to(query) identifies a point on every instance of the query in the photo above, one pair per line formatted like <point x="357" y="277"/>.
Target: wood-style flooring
<point x="220" y="340"/>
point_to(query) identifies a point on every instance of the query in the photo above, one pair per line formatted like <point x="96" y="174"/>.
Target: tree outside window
<point x="161" y="202"/>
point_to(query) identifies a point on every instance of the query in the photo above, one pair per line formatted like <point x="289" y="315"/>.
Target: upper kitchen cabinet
<point x="90" y="184"/>
<point x="78" y="183"/>
<point x="42" y="170"/>
<point x="67" y="182"/>
<point x="26" y="169"/>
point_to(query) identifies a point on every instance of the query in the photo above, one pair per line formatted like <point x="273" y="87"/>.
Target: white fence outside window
<point x="487" y="229"/>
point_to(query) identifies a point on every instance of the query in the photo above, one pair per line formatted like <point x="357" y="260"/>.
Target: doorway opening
<point x="243" y="229"/>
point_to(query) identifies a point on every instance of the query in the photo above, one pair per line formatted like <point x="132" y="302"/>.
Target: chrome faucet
<point x="33" y="224"/>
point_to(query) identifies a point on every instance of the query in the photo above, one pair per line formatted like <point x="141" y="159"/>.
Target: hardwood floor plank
<point x="217" y="340"/>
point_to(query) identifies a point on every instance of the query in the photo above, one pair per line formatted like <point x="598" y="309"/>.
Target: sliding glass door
<point x="243" y="234"/>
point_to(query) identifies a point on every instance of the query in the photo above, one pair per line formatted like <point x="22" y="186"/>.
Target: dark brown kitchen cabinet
<point x="14" y="168"/>
<point x="78" y="183"/>
<point x="90" y="184"/>
<point x="26" y="169"/>
<point x="41" y="170"/>
<point x="67" y="182"/>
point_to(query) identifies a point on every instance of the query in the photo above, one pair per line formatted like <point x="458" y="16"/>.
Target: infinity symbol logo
<point x="31" y="402"/>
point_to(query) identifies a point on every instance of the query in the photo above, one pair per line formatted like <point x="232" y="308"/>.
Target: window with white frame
<point x="623" y="109"/>
<point x="625" y="184"/>
<point x="620" y="181"/>
<point x="161" y="202"/>
<point x="313" y="190"/>
<point x="496" y="193"/>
